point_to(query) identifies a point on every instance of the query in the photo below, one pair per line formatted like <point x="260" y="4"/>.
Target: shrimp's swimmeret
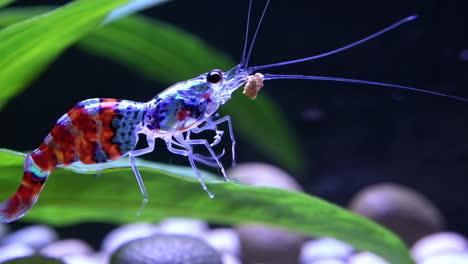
<point x="101" y="130"/>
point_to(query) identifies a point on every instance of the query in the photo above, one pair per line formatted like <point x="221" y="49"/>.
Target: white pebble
<point x="183" y="226"/>
<point x="447" y="258"/>
<point x="36" y="236"/>
<point x="230" y="259"/>
<point x="262" y="174"/>
<point x="438" y="243"/>
<point x="324" y="248"/>
<point x="327" y="261"/>
<point x="366" y="258"/>
<point x="61" y="248"/>
<point x="126" y="233"/>
<point x="225" y="240"/>
<point x="15" y="250"/>
<point x="82" y="259"/>
<point x="102" y="257"/>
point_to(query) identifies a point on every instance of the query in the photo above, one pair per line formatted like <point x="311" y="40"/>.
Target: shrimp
<point x="101" y="130"/>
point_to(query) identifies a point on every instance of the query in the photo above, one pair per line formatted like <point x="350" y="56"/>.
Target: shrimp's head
<point x="225" y="83"/>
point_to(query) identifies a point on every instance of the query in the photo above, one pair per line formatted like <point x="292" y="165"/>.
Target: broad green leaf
<point x="165" y="53"/>
<point x="26" y="48"/>
<point x="132" y="7"/>
<point x="6" y="2"/>
<point x="114" y="197"/>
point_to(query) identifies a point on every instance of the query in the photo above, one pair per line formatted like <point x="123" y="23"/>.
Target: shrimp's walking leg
<point x="212" y="125"/>
<point x="187" y="142"/>
<point x="209" y="161"/>
<point x="188" y="152"/>
<point x="182" y="152"/>
<point x="213" y="154"/>
<point x="131" y="157"/>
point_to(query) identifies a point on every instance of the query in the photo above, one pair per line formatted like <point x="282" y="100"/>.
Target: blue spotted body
<point x="179" y="108"/>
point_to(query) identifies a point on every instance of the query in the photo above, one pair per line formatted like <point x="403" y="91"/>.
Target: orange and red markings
<point x="65" y="140"/>
<point x="78" y="135"/>
<point x="107" y="114"/>
<point x="86" y="125"/>
<point x="26" y="194"/>
<point x="45" y="157"/>
<point x="108" y="132"/>
<point x="85" y="141"/>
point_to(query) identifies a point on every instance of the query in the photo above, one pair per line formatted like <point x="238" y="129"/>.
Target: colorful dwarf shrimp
<point x="102" y="130"/>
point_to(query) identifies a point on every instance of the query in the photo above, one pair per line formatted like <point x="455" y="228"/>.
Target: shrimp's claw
<point x="253" y="85"/>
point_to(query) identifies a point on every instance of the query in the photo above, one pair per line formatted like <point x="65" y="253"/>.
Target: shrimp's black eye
<point x="215" y="77"/>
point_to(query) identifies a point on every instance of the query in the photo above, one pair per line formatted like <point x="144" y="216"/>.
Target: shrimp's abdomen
<point x="94" y="131"/>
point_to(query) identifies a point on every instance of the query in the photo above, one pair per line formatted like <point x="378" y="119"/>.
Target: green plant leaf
<point x="115" y="197"/>
<point x="26" y="48"/>
<point x="6" y="2"/>
<point x="165" y="53"/>
<point x="132" y="7"/>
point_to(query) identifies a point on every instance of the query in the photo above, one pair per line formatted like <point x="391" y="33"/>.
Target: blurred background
<point x="351" y="135"/>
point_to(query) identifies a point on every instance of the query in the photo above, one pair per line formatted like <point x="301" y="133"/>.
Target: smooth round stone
<point x="438" y="243"/>
<point x="225" y="240"/>
<point x="166" y="249"/>
<point x="61" y="248"/>
<point x="260" y="243"/>
<point x="14" y="250"/>
<point x="325" y="248"/>
<point x="263" y="244"/>
<point x="327" y="261"/>
<point x="230" y="259"/>
<point x="262" y="174"/>
<point x="366" y="258"/>
<point x="83" y="259"/>
<point x="447" y="258"/>
<point x="125" y="233"/>
<point x="36" y="236"/>
<point x="102" y="257"/>
<point x="401" y="209"/>
<point x="34" y="260"/>
<point x="183" y="226"/>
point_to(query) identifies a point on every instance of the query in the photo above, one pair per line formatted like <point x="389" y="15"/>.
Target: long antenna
<point x="399" y="23"/>
<point x="249" y="13"/>
<point x="255" y="35"/>
<point x="324" y="78"/>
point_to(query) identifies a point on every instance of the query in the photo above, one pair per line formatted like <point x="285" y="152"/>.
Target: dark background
<point x="352" y="135"/>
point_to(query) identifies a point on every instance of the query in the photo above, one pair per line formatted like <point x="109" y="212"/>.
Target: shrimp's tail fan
<point x="27" y="194"/>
